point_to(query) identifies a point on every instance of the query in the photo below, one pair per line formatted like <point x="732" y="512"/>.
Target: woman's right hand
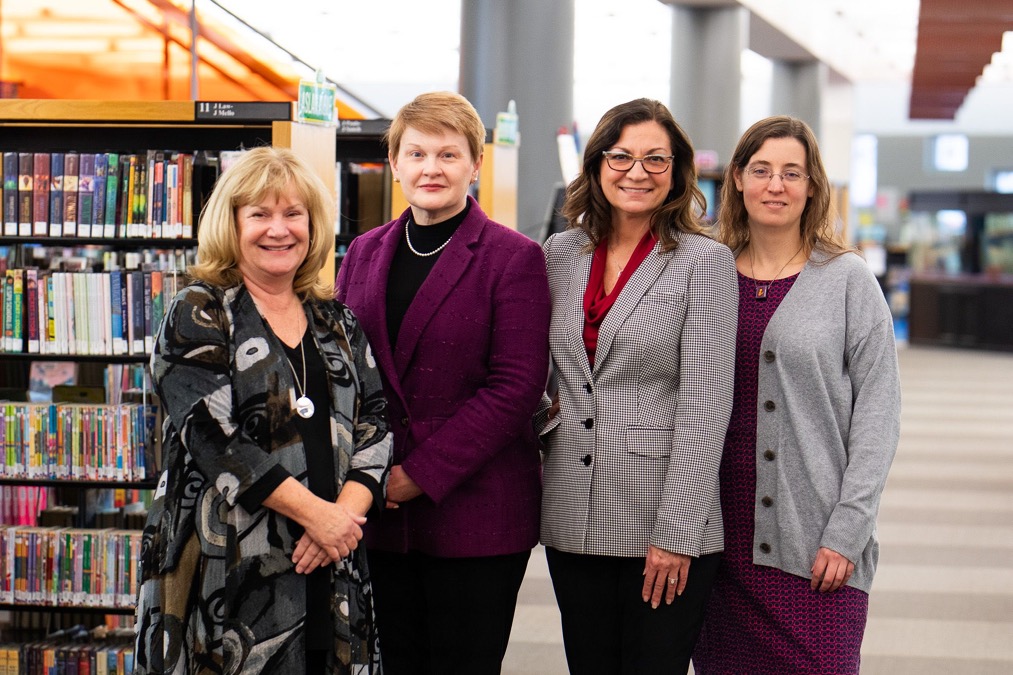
<point x="554" y="408"/>
<point x="308" y="555"/>
<point x="335" y="529"/>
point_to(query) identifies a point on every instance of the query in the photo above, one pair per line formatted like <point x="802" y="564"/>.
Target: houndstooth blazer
<point x="632" y="457"/>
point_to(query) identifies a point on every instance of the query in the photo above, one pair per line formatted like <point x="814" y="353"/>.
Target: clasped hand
<point x="329" y="537"/>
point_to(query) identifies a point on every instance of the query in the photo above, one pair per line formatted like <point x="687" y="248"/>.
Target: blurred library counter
<point x="960" y="261"/>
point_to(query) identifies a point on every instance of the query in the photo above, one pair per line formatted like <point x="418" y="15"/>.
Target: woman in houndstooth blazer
<point x="642" y="342"/>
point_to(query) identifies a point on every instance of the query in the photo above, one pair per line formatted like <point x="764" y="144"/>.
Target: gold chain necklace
<point x="763" y="290"/>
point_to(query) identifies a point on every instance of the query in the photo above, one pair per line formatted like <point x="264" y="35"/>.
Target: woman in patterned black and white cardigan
<point x="275" y="446"/>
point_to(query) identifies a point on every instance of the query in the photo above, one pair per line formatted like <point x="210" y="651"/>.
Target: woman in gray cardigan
<point x="815" y="421"/>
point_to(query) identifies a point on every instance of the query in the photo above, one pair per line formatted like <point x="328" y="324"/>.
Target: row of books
<point x="22" y="504"/>
<point x="69" y="567"/>
<point x="108" y="194"/>
<point x="58" y="656"/>
<point x="84" y="313"/>
<point x="77" y="441"/>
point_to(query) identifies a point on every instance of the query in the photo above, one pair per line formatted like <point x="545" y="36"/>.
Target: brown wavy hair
<point x="260" y="173"/>
<point x="587" y="208"/>
<point x="819" y="222"/>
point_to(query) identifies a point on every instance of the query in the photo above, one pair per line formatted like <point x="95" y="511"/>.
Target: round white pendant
<point x="304" y="406"/>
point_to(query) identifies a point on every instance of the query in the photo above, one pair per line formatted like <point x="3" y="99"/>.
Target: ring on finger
<point x="671" y="581"/>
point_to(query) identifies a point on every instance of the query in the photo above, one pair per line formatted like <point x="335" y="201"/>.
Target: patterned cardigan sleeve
<point x="372" y="442"/>
<point x="192" y="372"/>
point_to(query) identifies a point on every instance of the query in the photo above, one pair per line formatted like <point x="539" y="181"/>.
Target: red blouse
<point x="596" y="302"/>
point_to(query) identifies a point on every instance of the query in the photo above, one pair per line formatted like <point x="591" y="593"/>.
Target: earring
<point x="396" y="179"/>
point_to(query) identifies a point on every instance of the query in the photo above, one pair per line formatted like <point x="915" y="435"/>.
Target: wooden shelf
<point x="52" y="110"/>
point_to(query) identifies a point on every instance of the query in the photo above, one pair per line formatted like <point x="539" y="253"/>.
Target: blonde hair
<point x="261" y="173"/>
<point x="434" y="112"/>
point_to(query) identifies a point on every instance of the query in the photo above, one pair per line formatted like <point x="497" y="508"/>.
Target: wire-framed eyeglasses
<point x="624" y="161"/>
<point x="762" y="173"/>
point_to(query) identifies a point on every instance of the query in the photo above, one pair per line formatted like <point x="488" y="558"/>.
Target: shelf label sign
<point x="242" y="111"/>
<point x="317" y="102"/>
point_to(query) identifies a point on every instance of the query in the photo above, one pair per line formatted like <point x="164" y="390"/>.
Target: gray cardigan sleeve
<point x="871" y="359"/>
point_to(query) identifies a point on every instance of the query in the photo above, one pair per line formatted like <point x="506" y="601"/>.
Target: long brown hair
<point x="818" y="226"/>
<point x="587" y="208"/>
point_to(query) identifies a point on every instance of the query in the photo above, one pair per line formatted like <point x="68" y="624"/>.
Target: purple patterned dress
<point x="761" y="620"/>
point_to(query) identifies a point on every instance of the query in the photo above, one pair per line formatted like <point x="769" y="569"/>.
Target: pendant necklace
<point x="763" y="290"/>
<point x="411" y="248"/>
<point x="303" y="405"/>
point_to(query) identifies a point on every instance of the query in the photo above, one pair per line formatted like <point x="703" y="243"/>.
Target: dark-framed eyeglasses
<point x="762" y="173"/>
<point x="624" y="161"/>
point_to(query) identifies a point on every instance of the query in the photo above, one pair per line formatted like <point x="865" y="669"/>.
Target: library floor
<point x="942" y="601"/>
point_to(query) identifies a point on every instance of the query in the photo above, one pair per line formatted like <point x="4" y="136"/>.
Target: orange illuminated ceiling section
<point x="956" y="40"/>
<point x="137" y="50"/>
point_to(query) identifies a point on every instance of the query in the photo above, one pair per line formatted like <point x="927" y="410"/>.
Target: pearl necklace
<point x="412" y="248"/>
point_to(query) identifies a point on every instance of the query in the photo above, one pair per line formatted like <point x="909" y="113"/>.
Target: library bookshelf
<point x="109" y="270"/>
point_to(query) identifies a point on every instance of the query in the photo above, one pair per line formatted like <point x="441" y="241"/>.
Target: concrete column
<point x="706" y="81"/>
<point x="797" y="89"/>
<point x="522" y="50"/>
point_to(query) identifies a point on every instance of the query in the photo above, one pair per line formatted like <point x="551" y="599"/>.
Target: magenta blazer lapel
<point x="372" y="311"/>
<point x="436" y="291"/>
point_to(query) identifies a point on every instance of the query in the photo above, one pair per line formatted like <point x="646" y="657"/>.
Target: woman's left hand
<point x="400" y="487"/>
<point x="830" y="571"/>
<point x="308" y="555"/>
<point x="665" y="574"/>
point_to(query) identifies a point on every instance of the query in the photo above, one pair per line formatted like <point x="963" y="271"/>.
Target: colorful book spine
<point x="98" y="216"/>
<point x="85" y="194"/>
<point x="25" y="195"/>
<point x="71" y="167"/>
<point x="32" y="310"/>
<point x="8" y="302"/>
<point x="56" y="168"/>
<point x="112" y="194"/>
<point x="10" y="194"/>
<point x="117" y="292"/>
<point x="40" y="194"/>
<point x="124" y="221"/>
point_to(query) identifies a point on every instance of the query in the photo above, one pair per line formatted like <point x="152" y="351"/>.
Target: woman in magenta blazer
<point x="456" y="308"/>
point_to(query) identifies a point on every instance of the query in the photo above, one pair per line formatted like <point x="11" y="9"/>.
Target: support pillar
<point x="706" y="80"/>
<point x="522" y="50"/>
<point x="796" y="90"/>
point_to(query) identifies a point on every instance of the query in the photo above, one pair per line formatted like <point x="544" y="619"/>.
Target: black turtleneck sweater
<point x="408" y="271"/>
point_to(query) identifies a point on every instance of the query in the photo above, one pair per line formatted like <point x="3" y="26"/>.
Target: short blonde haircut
<point x="434" y="112"/>
<point x="259" y="174"/>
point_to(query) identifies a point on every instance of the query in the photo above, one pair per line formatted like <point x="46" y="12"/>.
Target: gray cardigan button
<point x="769" y="406"/>
<point x="769" y="455"/>
<point x="768" y="356"/>
<point x="767" y="501"/>
<point x="765" y="547"/>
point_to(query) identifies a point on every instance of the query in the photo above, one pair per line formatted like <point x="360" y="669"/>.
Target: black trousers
<point x="444" y="615"/>
<point x="607" y="626"/>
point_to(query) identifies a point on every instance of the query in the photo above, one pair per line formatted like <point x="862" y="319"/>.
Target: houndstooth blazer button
<point x="588" y="423"/>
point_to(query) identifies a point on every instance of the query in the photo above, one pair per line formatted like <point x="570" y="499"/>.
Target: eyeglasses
<point x="761" y="173"/>
<point x="624" y="161"/>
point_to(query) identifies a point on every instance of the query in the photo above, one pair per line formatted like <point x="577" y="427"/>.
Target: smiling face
<point x="435" y="170"/>
<point x="273" y="238"/>
<point x="775" y="203"/>
<point x="636" y="194"/>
